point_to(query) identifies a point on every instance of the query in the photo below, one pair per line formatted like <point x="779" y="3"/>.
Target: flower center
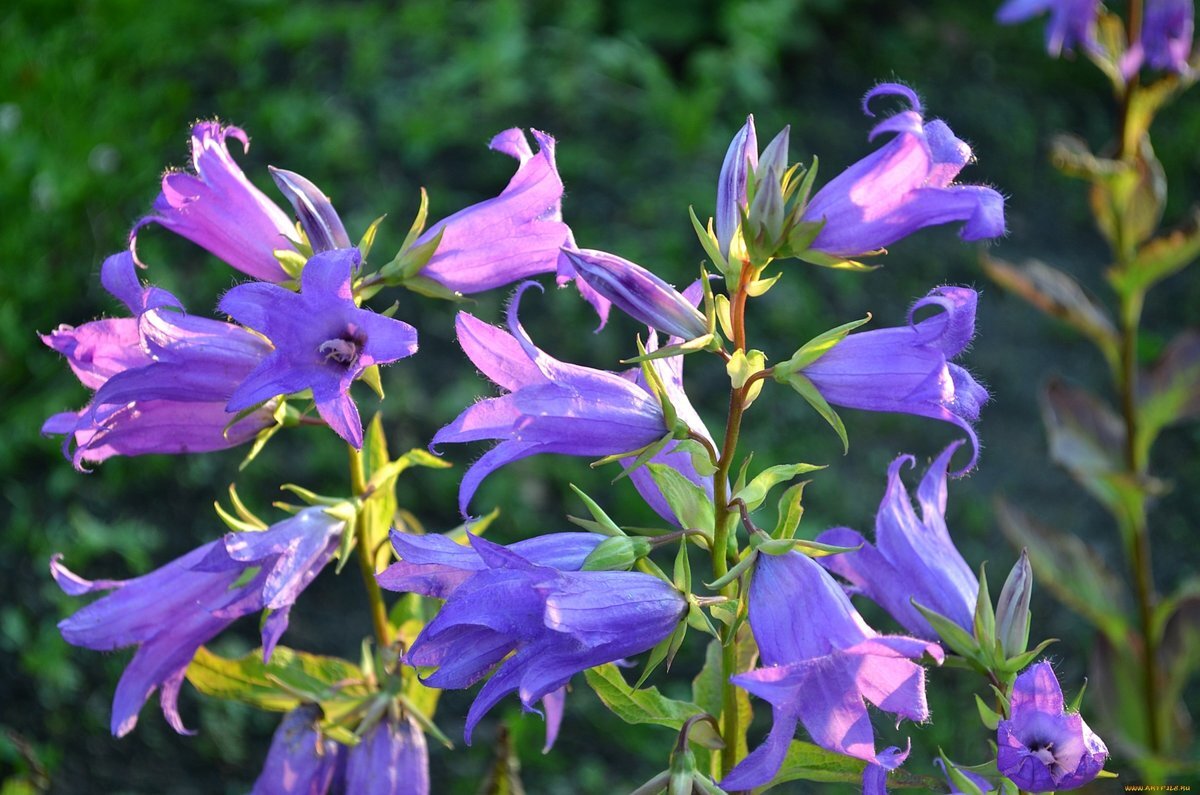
<point x="1044" y="753"/>
<point x="340" y="350"/>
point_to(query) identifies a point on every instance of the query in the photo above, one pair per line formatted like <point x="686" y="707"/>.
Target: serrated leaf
<point x="279" y="685"/>
<point x="756" y="491"/>
<point x="637" y="706"/>
<point x="690" y="504"/>
<point x="1069" y="569"/>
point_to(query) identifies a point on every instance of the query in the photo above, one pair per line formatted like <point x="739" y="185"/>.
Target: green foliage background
<point x="372" y="101"/>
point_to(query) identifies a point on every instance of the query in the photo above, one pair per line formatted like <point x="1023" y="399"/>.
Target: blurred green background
<point x="372" y="102"/>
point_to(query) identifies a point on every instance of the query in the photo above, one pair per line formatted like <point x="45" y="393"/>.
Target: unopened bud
<point x="618" y="553"/>
<point x="740" y="160"/>
<point x="319" y="220"/>
<point x="1012" y="612"/>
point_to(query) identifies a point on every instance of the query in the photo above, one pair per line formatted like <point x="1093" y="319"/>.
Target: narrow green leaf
<point x="809" y="392"/>
<point x="757" y="490"/>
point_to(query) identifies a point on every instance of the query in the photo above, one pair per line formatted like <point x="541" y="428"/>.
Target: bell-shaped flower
<point x="820" y="661"/>
<point x="1041" y="747"/>
<point x="1166" y="38"/>
<point x="548" y="406"/>
<point x="172" y="611"/>
<point x="219" y="209"/>
<point x="320" y="222"/>
<point x="741" y="159"/>
<point x="513" y="236"/>
<point x="300" y="761"/>
<point x="907" y="369"/>
<point x="912" y="559"/>
<point x="161" y="378"/>
<point x="434" y="565"/>
<point x="391" y="759"/>
<point x="554" y="624"/>
<point x="906" y="185"/>
<point x="322" y="340"/>
<point x="1072" y="22"/>
<point x="639" y="293"/>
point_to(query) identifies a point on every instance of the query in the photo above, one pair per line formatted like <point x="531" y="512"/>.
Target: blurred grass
<point x="372" y="102"/>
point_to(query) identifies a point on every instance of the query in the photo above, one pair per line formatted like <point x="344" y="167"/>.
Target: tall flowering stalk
<point x="530" y="619"/>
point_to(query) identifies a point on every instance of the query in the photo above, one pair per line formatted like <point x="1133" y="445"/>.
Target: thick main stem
<point x="731" y="729"/>
<point x="366" y="562"/>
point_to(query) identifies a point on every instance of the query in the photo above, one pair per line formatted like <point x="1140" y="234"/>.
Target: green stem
<point x="1138" y="537"/>
<point x="366" y="563"/>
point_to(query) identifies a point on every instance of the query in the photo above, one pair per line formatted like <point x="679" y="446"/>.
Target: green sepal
<point x="791" y="511"/>
<point x="957" y="778"/>
<point x="754" y="493"/>
<point x="657" y="387"/>
<point x="663" y="651"/>
<point x="743" y="471"/>
<point x="809" y="392"/>
<point x="824" y="260"/>
<point x="738" y="569"/>
<point x="291" y="261"/>
<point x="985" y="616"/>
<point x="701" y="459"/>
<point x="367" y="241"/>
<point x="311" y="497"/>
<point x="1018" y="663"/>
<point x="418" y="224"/>
<point x="708" y="240"/>
<point x="1077" y="702"/>
<point x="423" y="285"/>
<point x="782" y="546"/>
<point x="688" y="502"/>
<point x="415" y="457"/>
<point x="724" y="318"/>
<point x="604" y="524"/>
<point x="370" y="377"/>
<point x="642" y="458"/>
<point x="759" y="287"/>
<point x="991" y="719"/>
<point x="817" y="347"/>
<point x="702" y="343"/>
<point x="954" y="636"/>
<point x="682" y="576"/>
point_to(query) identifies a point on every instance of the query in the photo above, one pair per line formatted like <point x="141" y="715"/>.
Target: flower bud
<point x="618" y="553"/>
<point x="317" y="217"/>
<point x="740" y="160"/>
<point x="639" y="293"/>
<point x="1012" y="612"/>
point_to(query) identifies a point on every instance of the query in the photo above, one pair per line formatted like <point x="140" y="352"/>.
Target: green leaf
<point x="985" y="616"/>
<point x="756" y="490"/>
<point x="1070" y="570"/>
<point x="280" y="685"/>
<point x="690" y="504"/>
<point x="791" y="511"/>
<point x="1159" y="258"/>
<point x="637" y="706"/>
<point x="1171" y="393"/>
<point x="818" y="346"/>
<point x="367" y="242"/>
<point x="988" y="715"/>
<point x="603" y="523"/>
<point x="709" y="242"/>
<point x="809" y="392"/>
<point x="955" y="637"/>
<point x="808" y="762"/>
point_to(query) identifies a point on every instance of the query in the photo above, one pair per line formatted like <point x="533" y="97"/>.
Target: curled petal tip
<point x="891" y="89"/>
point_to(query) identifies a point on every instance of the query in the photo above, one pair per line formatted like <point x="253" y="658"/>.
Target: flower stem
<point x="366" y="563"/>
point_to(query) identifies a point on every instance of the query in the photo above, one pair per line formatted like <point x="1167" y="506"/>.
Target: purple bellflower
<point x="323" y="341"/>
<point x="392" y="759"/>
<point x="555" y="624"/>
<point x="911" y="559"/>
<point x="172" y="611"/>
<point x="639" y="293"/>
<point x="516" y="235"/>
<point x="301" y="761"/>
<point x="907" y="369"/>
<point x="219" y="209"/>
<point x="1166" y="38"/>
<point x="435" y="566"/>
<point x="820" y="661"/>
<point x="740" y="160"/>
<point x="1072" y="22"/>
<point x="161" y="378"/>
<point x="548" y="406"/>
<point x="1042" y="748"/>
<point x="906" y="185"/>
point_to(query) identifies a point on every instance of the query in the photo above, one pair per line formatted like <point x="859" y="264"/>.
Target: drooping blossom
<point x="906" y="185"/>
<point x="434" y="565"/>
<point x="1072" y="22"/>
<point x="548" y="406"/>
<point x="322" y="340"/>
<point x="300" y="761"/>
<point x="219" y="209"/>
<point x="554" y="623"/>
<point x="907" y="369"/>
<point x="172" y="611"/>
<point x="740" y="160"/>
<point x="513" y="236"/>
<point x="820" y="661"/>
<point x="912" y="559"/>
<point x="1043" y="748"/>
<point x="161" y="377"/>
<point x="391" y="759"/>
<point x="1165" y="42"/>
<point x="639" y="293"/>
